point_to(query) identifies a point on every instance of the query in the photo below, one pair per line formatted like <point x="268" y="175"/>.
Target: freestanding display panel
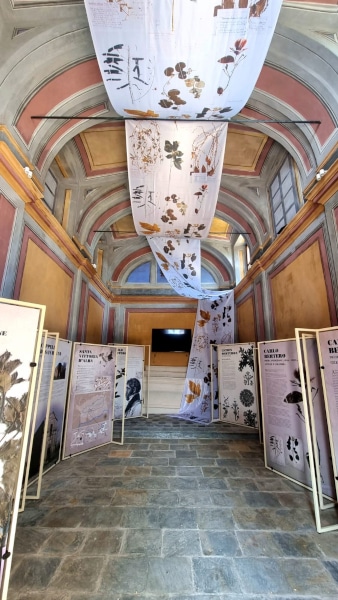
<point x="20" y="338"/>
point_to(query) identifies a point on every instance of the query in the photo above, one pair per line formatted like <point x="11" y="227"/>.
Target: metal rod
<point x="210" y="232"/>
<point x="241" y="121"/>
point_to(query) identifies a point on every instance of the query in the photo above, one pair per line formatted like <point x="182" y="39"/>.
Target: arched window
<point x="140" y="274"/>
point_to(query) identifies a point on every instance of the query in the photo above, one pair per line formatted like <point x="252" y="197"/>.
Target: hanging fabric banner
<point x="214" y="325"/>
<point x="181" y="60"/>
<point x="180" y="262"/>
<point x="174" y="175"/>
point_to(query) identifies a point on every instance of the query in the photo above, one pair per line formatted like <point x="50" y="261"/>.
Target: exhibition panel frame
<point x="238" y="398"/>
<point x="88" y="422"/>
<point x="289" y="384"/>
<point x="40" y="430"/>
<point x="21" y="326"/>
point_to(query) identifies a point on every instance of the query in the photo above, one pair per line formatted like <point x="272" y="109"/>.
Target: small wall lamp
<point x="320" y="174"/>
<point x="28" y="172"/>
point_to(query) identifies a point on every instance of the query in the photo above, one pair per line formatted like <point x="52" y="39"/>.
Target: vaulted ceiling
<point x="48" y="69"/>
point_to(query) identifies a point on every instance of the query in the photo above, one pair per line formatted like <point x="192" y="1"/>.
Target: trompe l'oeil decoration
<point x="181" y="60"/>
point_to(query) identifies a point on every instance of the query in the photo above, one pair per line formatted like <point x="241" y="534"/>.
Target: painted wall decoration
<point x="90" y="398"/>
<point x="237" y="389"/>
<point x="43" y="394"/>
<point x="214" y="325"/>
<point x="20" y="329"/>
<point x="57" y="404"/>
<point x="174" y="176"/>
<point x="328" y="349"/>
<point x="181" y="60"/>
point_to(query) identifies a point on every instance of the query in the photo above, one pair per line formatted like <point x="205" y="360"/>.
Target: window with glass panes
<point x="283" y="195"/>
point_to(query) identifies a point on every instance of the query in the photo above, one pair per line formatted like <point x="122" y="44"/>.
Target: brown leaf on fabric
<point x="162" y="257"/>
<point x="151" y="228"/>
<point x="205" y="315"/>
<point x="194" y="387"/>
<point x="189" y="398"/>
<point x="201" y="323"/>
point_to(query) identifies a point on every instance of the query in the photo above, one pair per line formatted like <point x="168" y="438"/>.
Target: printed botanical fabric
<point x="174" y="175"/>
<point x="181" y="60"/>
<point x="180" y="262"/>
<point x="214" y="325"/>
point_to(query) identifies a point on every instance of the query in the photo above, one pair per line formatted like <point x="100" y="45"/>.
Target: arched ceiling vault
<point x="48" y="68"/>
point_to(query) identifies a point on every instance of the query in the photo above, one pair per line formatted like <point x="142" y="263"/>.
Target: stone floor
<point x="180" y="512"/>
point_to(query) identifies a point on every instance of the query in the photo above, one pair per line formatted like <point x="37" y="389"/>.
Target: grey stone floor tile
<point x="183" y="483"/>
<point x="309" y="576"/>
<point x="328" y="544"/>
<point x="30" y="543"/>
<point x="262" y="576"/>
<point x="262" y="499"/>
<point x="215" y="575"/>
<point x="147" y="542"/>
<point x="26" y="595"/>
<point x="215" y="518"/>
<point x="105" y="542"/>
<point x="225" y="498"/>
<point x="141" y="517"/>
<point x="178" y="518"/>
<point x="130" y="498"/>
<point x="215" y="472"/>
<point x="162" y="498"/>
<point x="191" y="498"/>
<point x="297" y="544"/>
<point x="181" y="543"/>
<point x="241" y="484"/>
<point x="212" y="523"/>
<point x="254" y="518"/>
<point x="258" y="544"/>
<point x="219" y="543"/>
<point x="163" y="471"/>
<point x="139" y="575"/>
<point x="189" y="471"/>
<point x="79" y="572"/>
<point x="33" y="572"/>
<point x="63" y="542"/>
<point x="212" y="484"/>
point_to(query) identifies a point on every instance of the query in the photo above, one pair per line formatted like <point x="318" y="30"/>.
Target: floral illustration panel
<point x="237" y="389"/>
<point x="18" y="333"/>
<point x="174" y="175"/>
<point x="181" y="60"/>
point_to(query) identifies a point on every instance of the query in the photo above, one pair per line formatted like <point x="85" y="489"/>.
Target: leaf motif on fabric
<point x="194" y="387"/>
<point x="150" y="228"/>
<point x="161" y="257"/>
<point x="205" y="315"/>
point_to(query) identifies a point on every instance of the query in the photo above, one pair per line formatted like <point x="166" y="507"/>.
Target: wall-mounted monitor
<point x="171" y="340"/>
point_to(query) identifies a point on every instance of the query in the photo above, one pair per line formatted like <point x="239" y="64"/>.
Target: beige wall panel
<point x="140" y="325"/>
<point x="246" y="321"/>
<point x="94" y="322"/>
<point x="299" y="295"/>
<point x="45" y="282"/>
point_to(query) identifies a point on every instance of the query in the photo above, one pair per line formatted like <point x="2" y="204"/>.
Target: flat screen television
<point x="171" y="340"/>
